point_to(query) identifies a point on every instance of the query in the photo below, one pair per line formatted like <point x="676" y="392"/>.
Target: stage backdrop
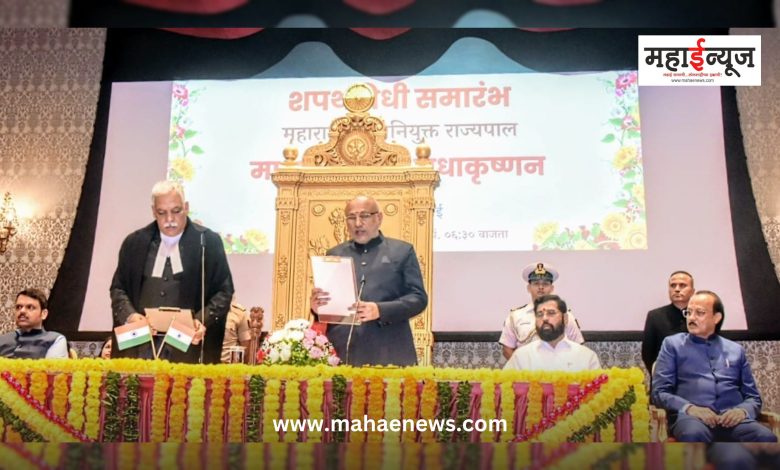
<point x="616" y="186"/>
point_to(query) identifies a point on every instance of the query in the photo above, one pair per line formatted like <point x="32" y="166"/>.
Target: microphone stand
<point x="352" y="325"/>
<point x="202" y="293"/>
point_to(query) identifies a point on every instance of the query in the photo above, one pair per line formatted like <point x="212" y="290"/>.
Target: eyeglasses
<point x="690" y="313"/>
<point x="363" y="216"/>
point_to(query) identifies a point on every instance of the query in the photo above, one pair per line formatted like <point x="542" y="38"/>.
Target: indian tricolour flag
<point x="132" y="334"/>
<point x="179" y="335"/>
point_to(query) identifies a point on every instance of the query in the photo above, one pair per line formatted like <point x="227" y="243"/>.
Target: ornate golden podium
<point x="312" y="194"/>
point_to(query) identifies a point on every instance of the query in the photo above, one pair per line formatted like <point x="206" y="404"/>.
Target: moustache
<point x="171" y="225"/>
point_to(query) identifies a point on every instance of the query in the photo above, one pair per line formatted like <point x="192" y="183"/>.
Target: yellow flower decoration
<point x="429" y="397"/>
<point x="615" y="225"/>
<point x="177" y="408"/>
<point x="196" y="399"/>
<point x="159" y="412"/>
<point x="624" y="157"/>
<point x="487" y="409"/>
<point x="183" y="168"/>
<point x="258" y="239"/>
<point x="376" y="407"/>
<point x="271" y="408"/>
<point x="638" y="191"/>
<point x="39" y="383"/>
<point x="635" y="237"/>
<point x="78" y="383"/>
<point x="358" y="408"/>
<point x="59" y="400"/>
<point x="292" y="407"/>
<point x="92" y="408"/>
<point x="236" y="409"/>
<point x="216" y="421"/>
<point x="409" y="407"/>
<point x="544" y="231"/>
<point x="314" y="403"/>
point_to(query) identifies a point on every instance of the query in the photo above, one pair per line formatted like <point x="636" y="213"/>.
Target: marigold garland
<point x="30" y="418"/>
<point x="428" y="401"/>
<point x="534" y="411"/>
<point x="196" y="400"/>
<point x="637" y="457"/>
<point x="236" y="409"/>
<point x="159" y="407"/>
<point x="560" y="392"/>
<point x="191" y="456"/>
<point x="126" y="456"/>
<point x="393" y="409"/>
<point x="20" y="457"/>
<point x="500" y="458"/>
<point x="78" y="371"/>
<point x="358" y="408"/>
<point x="176" y="410"/>
<point x="409" y="406"/>
<point x="92" y="404"/>
<point x="16" y="430"/>
<point x="78" y="384"/>
<point x="304" y="455"/>
<point x="59" y="400"/>
<point x="522" y="457"/>
<point x="291" y="409"/>
<point x="271" y="408"/>
<point x="39" y="383"/>
<point x="52" y="454"/>
<point x="410" y="457"/>
<point x="168" y="456"/>
<point x="508" y="412"/>
<point x="607" y="433"/>
<point x="376" y="405"/>
<point x="20" y="376"/>
<point x="487" y="409"/>
<point x="216" y="421"/>
<point x="314" y="402"/>
<point x="147" y="456"/>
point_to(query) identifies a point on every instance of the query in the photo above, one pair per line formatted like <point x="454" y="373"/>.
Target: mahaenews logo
<point x="699" y="60"/>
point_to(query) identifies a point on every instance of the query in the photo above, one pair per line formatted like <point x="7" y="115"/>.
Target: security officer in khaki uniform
<point x="520" y="326"/>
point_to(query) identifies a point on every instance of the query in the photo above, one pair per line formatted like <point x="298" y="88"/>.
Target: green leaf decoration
<point x="608" y="138"/>
<point x="190" y="134"/>
<point x="197" y="150"/>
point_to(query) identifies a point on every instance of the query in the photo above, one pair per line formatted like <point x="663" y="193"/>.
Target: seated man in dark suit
<point x="704" y="380"/>
<point x="30" y="340"/>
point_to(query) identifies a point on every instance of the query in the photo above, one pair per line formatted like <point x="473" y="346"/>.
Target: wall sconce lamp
<point x="8" y="221"/>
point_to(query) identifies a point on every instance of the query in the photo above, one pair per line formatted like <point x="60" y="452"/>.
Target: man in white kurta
<point x="519" y="327"/>
<point x="553" y="351"/>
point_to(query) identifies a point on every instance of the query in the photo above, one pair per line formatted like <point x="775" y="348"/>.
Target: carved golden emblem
<point x="359" y="98"/>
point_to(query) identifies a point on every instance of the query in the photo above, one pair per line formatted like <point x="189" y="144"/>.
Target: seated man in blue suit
<point x="704" y="380"/>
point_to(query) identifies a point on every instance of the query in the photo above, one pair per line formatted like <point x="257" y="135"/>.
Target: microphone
<point x="202" y="291"/>
<point x="352" y="324"/>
